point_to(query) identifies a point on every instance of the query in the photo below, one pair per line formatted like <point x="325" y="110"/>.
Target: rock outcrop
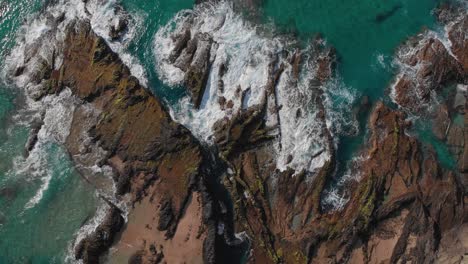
<point x="159" y="167"/>
<point x="192" y="55"/>
<point x="432" y="69"/>
<point x="428" y="64"/>
<point x="403" y="207"/>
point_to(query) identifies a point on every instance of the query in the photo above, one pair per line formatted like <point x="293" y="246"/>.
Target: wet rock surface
<point x="90" y="249"/>
<point x="428" y="62"/>
<point x="400" y="209"/>
<point x="435" y="73"/>
<point x="157" y="163"/>
<point x="404" y="207"/>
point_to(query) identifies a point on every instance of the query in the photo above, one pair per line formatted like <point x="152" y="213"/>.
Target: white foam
<point x="37" y="165"/>
<point x="39" y="38"/>
<point x="40" y="41"/>
<point x="45" y="181"/>
<point x="407" y="51"/>
<point x="238" y="45"/>
<point x="337" y="196"/>
<point x="247" y="52"/>
<point x="380" y="62"/>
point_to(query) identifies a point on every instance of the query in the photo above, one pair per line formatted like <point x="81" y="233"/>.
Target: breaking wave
<point x="40" y="40"/>
<point x="422" y="87"/>
<point x="40" y="43"/>
<point x="337" y="196"/>
<point x="55" y="129"/>
<point x="245" y="53"/>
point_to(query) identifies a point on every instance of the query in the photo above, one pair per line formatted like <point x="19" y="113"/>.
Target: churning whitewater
<point x="249" y="144"/>
<point x="39" y="44"/>
<point x="246" y="54"/>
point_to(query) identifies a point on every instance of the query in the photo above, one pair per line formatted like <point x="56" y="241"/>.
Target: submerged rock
<point x="117" y="31"/>
<point x="33" y="136"/>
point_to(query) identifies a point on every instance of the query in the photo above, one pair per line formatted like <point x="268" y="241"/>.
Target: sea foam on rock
<point x="231" y="66"/>
<point x="33" y="66"/>
<point x="432" y="60"/>
<point x="432" y="73"/>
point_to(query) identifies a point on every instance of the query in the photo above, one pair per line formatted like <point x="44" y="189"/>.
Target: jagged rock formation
<point x="428" y="64"/>
<point x="157" y="163"/>
<point x="434" y="66"/>
<point x="270" y="204"/>
<point x="192" y="55"/>
<point x="403" y="208"/>
<point x="428" y="68"/>
<point x="248" y="90"/>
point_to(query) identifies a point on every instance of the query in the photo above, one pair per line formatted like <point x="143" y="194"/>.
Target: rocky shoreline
<point x="433" y="81"/>
<point x="157" y="163"/>
<point x="188" y="200"/>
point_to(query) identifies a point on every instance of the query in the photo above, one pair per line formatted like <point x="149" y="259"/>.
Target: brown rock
<point x="433" y="67"/>
<point x="154" y="158"/>
<point x="458" y="37"/>
<point x="441" y="122"/>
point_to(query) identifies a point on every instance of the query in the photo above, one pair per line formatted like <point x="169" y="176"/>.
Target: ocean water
<point x="43" y="200"/>
<point x="365" y="33"/>
<point x="151" y="16"/>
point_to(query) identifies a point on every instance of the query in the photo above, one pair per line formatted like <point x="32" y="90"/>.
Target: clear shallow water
<point x="42" y="233"/>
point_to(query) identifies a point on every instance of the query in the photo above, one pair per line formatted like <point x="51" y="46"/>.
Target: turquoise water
<point x="42" y="233"/>
<point x="425" y="135"/>
<point x="11" y="18"/>
<point x="352" y="28"/>
<point x="365" y="34"/>
<point x="155" y="14"/>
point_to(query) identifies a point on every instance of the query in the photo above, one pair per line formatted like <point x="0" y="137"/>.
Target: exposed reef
<point x="404" y="207"/>
<point x="156" y="163"/>
<point x="191" y="202"/>
<point x="433" y="80"/>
